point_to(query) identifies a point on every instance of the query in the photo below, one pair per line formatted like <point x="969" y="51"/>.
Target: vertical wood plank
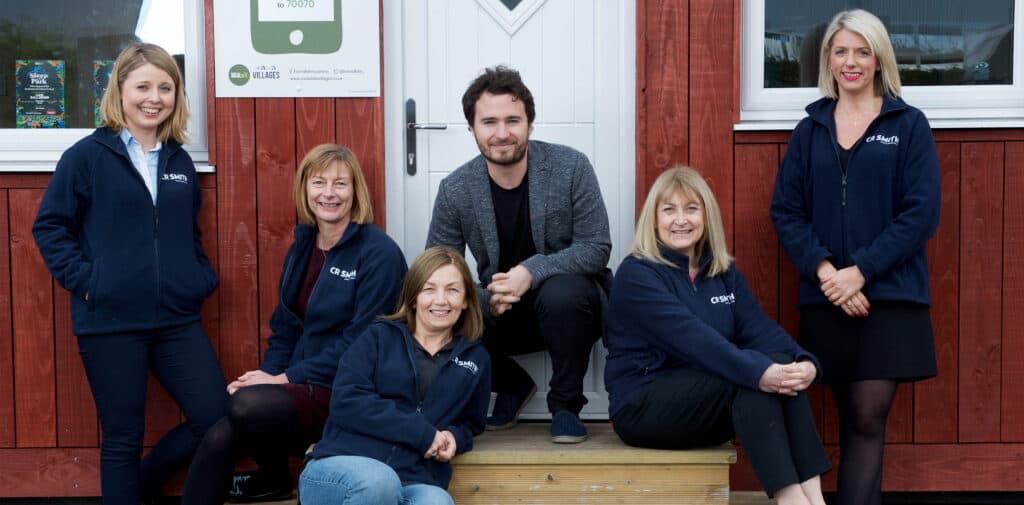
<point x="76" y="413"/>
<point x="981" y="243"/>
<point x="935" y="400"/>
<point x="7" y="421"/>
<point x="360" y="126"/>
<point x="237" y="235"/>
<point x="1013" y="292"/>
<point x="899" y="427"/>
<point x="211" y="87"/>
<point x="314" y="124"/>
<point x="208" y="225"/>
<point x="710" y="119"/>
<point x="275" y="213"/>
<point x="755" y="246"/>
<point x="35" y="402"/>
<point x="663" y="46"/>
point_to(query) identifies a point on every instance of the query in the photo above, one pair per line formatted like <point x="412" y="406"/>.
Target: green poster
<point x="39" y="93"/>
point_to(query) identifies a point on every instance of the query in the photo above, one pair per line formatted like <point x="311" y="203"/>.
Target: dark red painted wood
<point x="753" y="247"/>
<point x="211" y="84"/>
<point x="76" y="413"/>
<point x="899" y="427"/>
<point x="35" y="402"/>
<point x="237" y="236"/>
<point x="314" y="124"/>
<point x="7" y="435"/>
<point x="354" y="118"/>
<point x="981" y="242"/>
<point x="663" y="46"/>
<point x="1012" y="401"/>
<point x="275" y="171"/>
<point x="711" y="81"/>
<point x="208" y="225"/>
<point x="935" y="412"/>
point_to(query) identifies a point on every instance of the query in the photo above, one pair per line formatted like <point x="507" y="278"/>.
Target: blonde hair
<point x="134" y="56"/>
<point x="471" y="322"/>
<point x="687" y="180"/>
<point x="867" y="25"/>
<point x="316" y="161"/>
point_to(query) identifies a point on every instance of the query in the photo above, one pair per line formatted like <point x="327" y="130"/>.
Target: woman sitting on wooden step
<point x="692" y="359"/>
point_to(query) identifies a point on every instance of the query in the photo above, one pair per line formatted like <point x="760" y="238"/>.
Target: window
<point x="73" y="43"/>
<point x="960" y="62"/>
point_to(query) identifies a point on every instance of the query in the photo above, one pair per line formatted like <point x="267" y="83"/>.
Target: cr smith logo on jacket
<point x="348" y="275"/>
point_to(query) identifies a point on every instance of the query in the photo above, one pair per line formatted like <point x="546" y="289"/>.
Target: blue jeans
<point x="355" y="480"/>
<point x="117" y="366"/>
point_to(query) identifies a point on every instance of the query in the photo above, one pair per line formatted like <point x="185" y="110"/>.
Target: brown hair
<point x="471" y="322"/>
<point x="133" y="57"/>
<point x="316" y="161"/>
<point x="499" y="80"/>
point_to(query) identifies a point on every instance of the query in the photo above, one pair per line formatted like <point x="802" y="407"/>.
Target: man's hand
<point x="253" y="377"/>
<point x="507" y="288"/>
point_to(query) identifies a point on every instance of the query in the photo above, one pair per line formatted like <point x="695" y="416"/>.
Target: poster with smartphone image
<point x="297" y="48"/>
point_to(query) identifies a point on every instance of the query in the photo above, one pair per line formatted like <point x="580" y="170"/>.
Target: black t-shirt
<point x="427" y="365"/>
<point x="512" y="215"/>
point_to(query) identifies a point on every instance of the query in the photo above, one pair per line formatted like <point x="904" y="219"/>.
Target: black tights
<point x="863" y="408"/>
<point x="262" y="422"/>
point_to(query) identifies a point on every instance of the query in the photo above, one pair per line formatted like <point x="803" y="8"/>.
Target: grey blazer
<point x="567" y="216"/>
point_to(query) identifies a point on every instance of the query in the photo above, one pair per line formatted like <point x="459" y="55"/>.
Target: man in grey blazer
<point x="533" y="217"/>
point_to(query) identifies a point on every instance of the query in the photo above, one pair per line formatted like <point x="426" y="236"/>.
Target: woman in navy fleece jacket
<point x="339" y="274"/>
<point x="410" y="394"/>
<point x="692" y="359"/>
<point x="856" y="198"/>
<point x="118" y="227"/>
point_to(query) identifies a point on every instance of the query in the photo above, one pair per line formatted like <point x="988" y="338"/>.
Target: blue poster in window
<point x="39" y="93"/>
<point x="100" y="78"/>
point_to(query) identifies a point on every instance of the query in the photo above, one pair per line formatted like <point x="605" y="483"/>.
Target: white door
<point x="578" y="59"/>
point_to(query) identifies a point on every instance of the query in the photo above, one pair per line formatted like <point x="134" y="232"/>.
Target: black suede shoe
<point x="259" y="486"/>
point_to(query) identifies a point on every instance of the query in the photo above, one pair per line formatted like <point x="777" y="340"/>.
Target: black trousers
<point x="562" y="315"/>
<point x="688" y="408"/>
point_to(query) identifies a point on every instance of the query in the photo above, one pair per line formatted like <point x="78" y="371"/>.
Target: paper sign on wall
<point x="297" y="48"/>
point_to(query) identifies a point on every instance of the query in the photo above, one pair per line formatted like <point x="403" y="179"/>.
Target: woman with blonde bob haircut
<point x="315" y="162"/>
<point x="112" y="112"/>
<point x="687" y="180"/>
<point x="410" y="394"/>
<point x="856" y="198"/>
<point x="135" y="299"/>
<point x="682" y="319"/>
<point x="339" y="274"/>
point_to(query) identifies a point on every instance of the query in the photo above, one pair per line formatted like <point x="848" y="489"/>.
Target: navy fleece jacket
<point x="141" y="265"/>
<point x="658" y="320"/>
<point x="360" y="280"/>
<point x="375" y="411"/>
<point x="878" y="215"/>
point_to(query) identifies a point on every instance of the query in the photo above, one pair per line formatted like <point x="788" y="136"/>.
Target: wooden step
<point x="522" y="465"/>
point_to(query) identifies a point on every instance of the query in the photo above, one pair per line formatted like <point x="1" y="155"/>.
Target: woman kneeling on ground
<point x="410" y="394"/>
<point x="692" y="359"/>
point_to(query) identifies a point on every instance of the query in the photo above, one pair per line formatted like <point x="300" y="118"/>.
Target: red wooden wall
<point x="963" y="430"/>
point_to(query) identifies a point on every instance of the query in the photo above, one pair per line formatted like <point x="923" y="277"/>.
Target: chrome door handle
<point x="410" y="134"/>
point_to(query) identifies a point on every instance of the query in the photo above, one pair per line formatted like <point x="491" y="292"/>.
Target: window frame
<point x="967" y="106"/>
<point x="38" y="150"/>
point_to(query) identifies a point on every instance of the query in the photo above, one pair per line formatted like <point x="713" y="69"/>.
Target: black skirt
<point x="894" y="342"/>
